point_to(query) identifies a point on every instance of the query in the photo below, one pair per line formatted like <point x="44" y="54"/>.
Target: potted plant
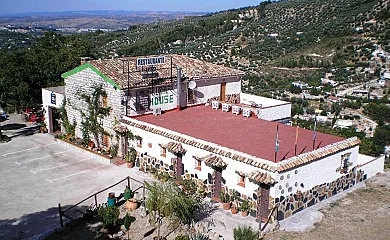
<point x="42" y="127"/>
<point x="245" y="207"/>
<point x="226" y="200"/>
<point x="130" y="158"/>
<point x="234" y="208"/>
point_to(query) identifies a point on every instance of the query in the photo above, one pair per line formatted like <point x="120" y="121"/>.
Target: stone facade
<point x="294" y="203"/>
<point x="84" y="82"/>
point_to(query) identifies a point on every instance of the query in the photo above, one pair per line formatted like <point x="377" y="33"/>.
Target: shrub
<point x="244" y="233"/>
<point x="182" y="237"/>
<point x="109" y="215"/>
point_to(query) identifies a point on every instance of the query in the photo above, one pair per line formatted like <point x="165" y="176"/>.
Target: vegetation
<point x="109" y="215"/>
<point x="244" y="233"/>
<point x="167" y="201"/>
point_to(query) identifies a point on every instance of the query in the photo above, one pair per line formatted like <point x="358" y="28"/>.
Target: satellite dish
<point x="192" y="85"/>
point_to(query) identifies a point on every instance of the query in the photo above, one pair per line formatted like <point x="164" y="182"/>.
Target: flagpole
<point x="314" y="134"/>
<point x="296" y="140"/>
<point x="277" y="142"/>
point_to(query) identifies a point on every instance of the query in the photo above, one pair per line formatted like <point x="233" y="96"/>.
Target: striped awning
<point x="174" y="147"/>
<point x="258" y="177"/>
<point x="212" y="160"/>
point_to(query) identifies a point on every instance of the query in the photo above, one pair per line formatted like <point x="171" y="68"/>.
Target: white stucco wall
<point x="271" y="109"/>
<point x="314" y="173"/>
<point x="371" y="165"/>
<point x="84" y="82"/>
<point x="46" y="103"/>
<point x="229" y="174"/>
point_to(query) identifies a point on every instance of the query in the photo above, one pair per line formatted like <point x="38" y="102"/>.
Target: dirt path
<point x="363" y="214"/>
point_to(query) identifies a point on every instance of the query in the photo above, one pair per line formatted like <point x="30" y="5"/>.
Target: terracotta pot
<point x="131" y="205"/>
<point x="130" y="164"/>
<point x="234" y="210"/>
<point x="226" y="206"/>
<point x="244" y="214"/>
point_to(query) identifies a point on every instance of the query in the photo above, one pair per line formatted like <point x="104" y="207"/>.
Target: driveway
<point x="36" y="173"/>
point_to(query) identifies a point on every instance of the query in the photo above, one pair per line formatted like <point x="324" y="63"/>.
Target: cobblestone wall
<point x="293" y="203"/>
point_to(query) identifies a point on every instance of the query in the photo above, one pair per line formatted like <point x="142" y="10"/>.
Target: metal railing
<point x="95" y="205"/>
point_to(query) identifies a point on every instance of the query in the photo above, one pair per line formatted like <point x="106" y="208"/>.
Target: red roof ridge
<point x="317" y="154"/>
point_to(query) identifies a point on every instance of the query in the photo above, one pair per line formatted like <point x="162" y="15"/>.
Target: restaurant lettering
<point x="150" y="61"/>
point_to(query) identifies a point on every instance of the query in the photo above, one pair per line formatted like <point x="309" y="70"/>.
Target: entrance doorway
<point x="223" y="92"/>
<point x="263" y="202"/>
<point x="179" y="167"/>
<point x="217" y="182"/>
<point x="54" y="120"/>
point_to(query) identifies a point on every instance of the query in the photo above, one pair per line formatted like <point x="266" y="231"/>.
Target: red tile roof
<point x="192" y="68"/>
<point x="252" y="136"/>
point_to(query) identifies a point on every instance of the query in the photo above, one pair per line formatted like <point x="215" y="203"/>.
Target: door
<point x="50" y="120"/>
<point x="223" y="92"/>
<point x="263" y="202"/>
<point x="217" y="182"/>
<point x="179" y="167"/>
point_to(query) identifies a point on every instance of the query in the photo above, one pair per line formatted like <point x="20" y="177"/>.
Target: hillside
<point x="275" y="43"/>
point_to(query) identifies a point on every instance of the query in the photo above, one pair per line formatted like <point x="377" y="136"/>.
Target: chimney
<point x="84" y="60"/>
<point x="178" y="88"/>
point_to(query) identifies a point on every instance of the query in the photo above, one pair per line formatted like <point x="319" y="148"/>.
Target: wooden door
<point x="179" y="167"/>
<point x="263" y="202"/>
<point x="223" y="92"/>
<point x="217" y="183"/>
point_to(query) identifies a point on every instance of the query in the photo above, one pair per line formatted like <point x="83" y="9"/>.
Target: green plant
<point x="244" y="233"/>
<point x="131" y="156"/>
<point x="114" y="150"/>
<point x="128" y="221"/>
<point x="182" y="237"/>
<point x="109" y="215"/>
<point x="245" y="206"/>
<point x="189" y="186"/>
<point x="128" y="194"/>
<point x="225" y="197"/>
<point x="199" y="236"/>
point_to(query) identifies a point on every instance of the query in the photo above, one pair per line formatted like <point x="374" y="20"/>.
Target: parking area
<point x="37" y="173"/>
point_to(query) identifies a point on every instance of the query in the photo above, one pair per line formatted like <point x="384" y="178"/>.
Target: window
<point x="241" y="181"/>
<point x="198" y="165"/>
<point x="345" y="163"/>
<point x="163" y="152"/>
<point x="139" y="143"/>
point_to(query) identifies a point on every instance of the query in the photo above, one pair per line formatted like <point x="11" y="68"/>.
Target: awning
<point x="258" y="177"/>
<point x="213" y="161"/>
<point x="174" y="147"/>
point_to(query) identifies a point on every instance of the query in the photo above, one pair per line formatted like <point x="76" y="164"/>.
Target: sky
<point x="24" y="6"/>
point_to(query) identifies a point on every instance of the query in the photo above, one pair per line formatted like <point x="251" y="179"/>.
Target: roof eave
<point x="90" y="66"/>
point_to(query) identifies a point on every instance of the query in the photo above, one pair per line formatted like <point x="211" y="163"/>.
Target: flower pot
<point x="130" y="164"/>
<point x="131" y="205"/>
<point x="244" y="214"/>
<point x="226" y="206"/>
<point x="234" y="210"/>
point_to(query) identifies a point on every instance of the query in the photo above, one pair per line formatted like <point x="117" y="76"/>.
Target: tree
<point x="167" y="201"/>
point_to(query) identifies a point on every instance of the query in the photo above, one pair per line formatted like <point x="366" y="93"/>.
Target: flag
<point x="296" y="135"/>
<point x="315" y="126"/>
<point x="277" y="139"/>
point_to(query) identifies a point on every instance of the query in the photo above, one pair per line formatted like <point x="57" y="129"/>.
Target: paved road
<point x="36" y="174"/>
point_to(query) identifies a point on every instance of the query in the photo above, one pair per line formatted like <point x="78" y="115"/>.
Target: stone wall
<point x="294" y="203"/>
<point x="83" y="83"/>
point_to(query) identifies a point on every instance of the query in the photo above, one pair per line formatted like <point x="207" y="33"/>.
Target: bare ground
<point x="362" y="214"/>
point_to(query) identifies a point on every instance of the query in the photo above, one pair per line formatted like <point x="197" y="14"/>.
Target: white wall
<point x="46" y="103"/>
<point x="229" y="174"/>
<point x="314" y="173"/>
<point x="371" y="165"/>
<point x="265" y="102"/>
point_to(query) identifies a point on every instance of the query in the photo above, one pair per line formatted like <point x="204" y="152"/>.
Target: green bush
<point x="244" y="233"/>
<point x="109" y="215"/>
<point x="182" y="237"/>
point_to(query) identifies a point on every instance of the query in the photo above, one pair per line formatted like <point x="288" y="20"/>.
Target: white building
<point x="198" y="124"/>
<point x="52" y="99"/>
<point x="301" y="85"/>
